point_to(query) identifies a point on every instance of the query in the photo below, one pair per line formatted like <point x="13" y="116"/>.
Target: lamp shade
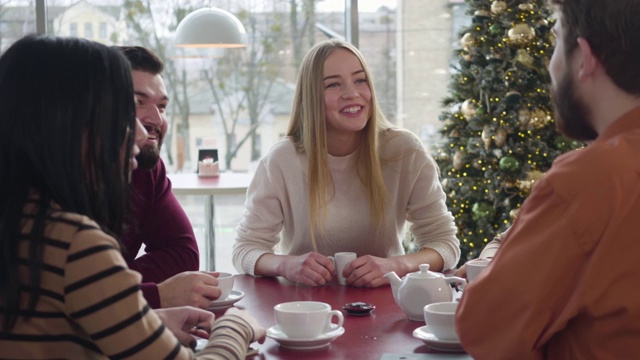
<point x="211" y="27"/>
<point x="174" y="52"/>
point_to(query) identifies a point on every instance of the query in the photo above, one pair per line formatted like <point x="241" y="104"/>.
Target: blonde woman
<point x="344" y="179"/>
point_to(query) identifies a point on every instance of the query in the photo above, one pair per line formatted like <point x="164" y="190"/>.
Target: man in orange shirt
<point x="563" y="284"/>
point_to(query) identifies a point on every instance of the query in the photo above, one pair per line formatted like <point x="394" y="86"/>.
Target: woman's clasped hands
<point x="315" y="269"/>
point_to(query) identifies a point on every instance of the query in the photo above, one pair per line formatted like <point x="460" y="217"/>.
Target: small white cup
<point x="440" y="317"/>
<point x="306" y="319"/>
<point x="475" y="267"/>
<point x="340" y="260"/>
<point x="225" y="284"/>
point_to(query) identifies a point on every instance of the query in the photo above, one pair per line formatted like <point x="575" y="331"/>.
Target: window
<point x="103" y="30"/>
<point x="88" y="30"/>
<point x="406" y="43"/>
<point x="73" y="29"/>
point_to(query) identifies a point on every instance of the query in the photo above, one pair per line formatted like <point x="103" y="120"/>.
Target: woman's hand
<point x="312" y="269"/>
<point x="187" y="322"/>
<point x="259" y="332"/>
<point x="369" y="271"/>
<point x="462" y="271"/>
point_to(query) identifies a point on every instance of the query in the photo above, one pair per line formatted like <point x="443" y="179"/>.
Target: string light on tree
<point x="498" y="125"/>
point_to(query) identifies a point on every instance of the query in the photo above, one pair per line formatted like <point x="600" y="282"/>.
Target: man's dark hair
<point x="612" y="29"/>
<point x="142" y="59"/>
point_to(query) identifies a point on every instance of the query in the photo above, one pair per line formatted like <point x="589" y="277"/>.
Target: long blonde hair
<point x="307" y="130"/>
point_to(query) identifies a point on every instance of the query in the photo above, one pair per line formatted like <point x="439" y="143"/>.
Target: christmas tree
<point x="498" y="127"/>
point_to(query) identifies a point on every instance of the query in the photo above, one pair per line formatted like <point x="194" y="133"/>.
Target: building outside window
<point x="88" y="30"/>
<point x="406" y="42"/>
<point x="103" y="30"/>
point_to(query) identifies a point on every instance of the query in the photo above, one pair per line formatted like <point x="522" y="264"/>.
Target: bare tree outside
<point x="149" y="23"/>
<point x="241" y="81"/>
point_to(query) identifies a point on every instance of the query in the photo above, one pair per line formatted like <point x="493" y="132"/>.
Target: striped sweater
<point x="91" y="306"/>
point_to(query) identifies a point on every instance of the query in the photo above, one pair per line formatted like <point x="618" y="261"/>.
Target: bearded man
<point x="562" y="284"/>
<point x="171" y="259"/>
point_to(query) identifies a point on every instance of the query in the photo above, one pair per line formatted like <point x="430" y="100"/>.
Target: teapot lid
<point x="424" y="273"/>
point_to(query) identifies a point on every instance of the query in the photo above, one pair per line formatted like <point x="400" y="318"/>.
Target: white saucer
<point x="424" y="333"/>
<point x="233" y="298"/>
<point x="303" y="344"/>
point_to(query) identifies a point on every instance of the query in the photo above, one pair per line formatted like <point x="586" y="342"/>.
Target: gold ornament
<point x="468" y="109"/>
<point x="523" y="57"/>
<point x="458" y="160"/>
<point x="542" y="23"/>
<point x="486" y="137"/>
<point x="498" y="7"/>
<point x="527" y="7"/>
<point x="467" y="42"/>
<point x="501" y="137"/>
<point x="506" y="184"/>
<point x="534" y="176"/>
<point x="521" y="34"/>
<point x="539" y="119"/>
<point x="477" y="163"/>
<point x="466" y="55"/>
<point x="455" y="134"/>
<point x="481" y="14"/>
<point x="513" y="97"/>
<point x="524" y="116"/>
<point x="513" y="214"/>
<point x="532" y="179"/>
<point x="494" y="57"/>
<point x="525" y="186"/>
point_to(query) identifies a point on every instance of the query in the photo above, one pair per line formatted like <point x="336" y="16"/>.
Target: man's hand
<point x="187" y="322"/>
<point x="190" y="288"/>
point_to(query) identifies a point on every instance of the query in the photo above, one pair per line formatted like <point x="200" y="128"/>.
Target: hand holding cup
<point x="340" y="261"/>
<point x="225" y="284"/>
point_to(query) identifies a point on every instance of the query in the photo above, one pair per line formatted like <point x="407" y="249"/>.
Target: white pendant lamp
<point x="210" y="28"/>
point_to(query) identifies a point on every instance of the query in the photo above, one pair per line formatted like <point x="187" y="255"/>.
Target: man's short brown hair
<point x="142" y="59"/>
<point x="612" y="29"/>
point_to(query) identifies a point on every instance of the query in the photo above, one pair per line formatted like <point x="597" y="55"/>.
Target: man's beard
<point x="573" y="116"/>
<point x="148" y="157"/>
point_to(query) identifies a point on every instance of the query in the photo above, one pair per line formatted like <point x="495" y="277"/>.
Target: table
<point x="387" y="330"/>
<point x="226" y="183"/>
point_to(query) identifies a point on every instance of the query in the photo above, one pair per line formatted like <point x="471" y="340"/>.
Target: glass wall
<point x="17" y="18"/>
<point x="238" y="100"/>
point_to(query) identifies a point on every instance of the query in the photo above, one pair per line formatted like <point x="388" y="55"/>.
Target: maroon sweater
<point x="160" y="223"/>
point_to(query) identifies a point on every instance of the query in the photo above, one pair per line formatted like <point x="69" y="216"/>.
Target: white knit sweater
<point x="276" y="215"/>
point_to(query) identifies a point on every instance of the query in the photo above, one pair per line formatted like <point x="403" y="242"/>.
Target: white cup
<point x="306" y="319"/>
<point x="225" y="284"/>
<point x="475" y="267"/>
<point x="340" y="260"/>
<point x="440" y="317"/>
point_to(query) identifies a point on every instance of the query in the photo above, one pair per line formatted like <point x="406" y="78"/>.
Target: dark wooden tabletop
<point x="386" y="330"/>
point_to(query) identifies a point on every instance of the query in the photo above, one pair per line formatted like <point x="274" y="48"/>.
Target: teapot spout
<point x="395" y="283"/>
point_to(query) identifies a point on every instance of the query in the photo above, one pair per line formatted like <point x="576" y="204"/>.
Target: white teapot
<point x="417" y="289"/>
